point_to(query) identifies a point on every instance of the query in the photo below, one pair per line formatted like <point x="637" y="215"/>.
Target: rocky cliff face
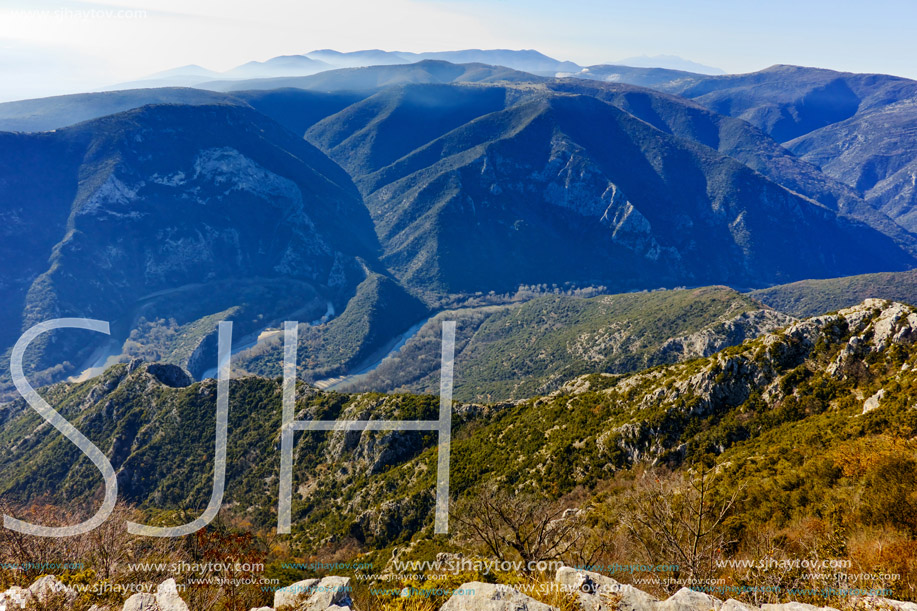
<point x="159" y="201"/>
<point x="852" y="336"/>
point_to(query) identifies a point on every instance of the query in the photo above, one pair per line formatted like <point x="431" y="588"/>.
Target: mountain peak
<point x="670" y="62"/>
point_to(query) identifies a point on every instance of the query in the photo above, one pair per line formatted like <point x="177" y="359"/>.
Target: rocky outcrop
<point x="141" y="602"/>
<point x="165" y="599"/>
<point x="372" y="450"/>
<point x="328" y="593"/>
<point x="794" y="606"/>
<point x="879" y="603"/>
<point x="390" y="518"/>
<point x="597" y="592"/>
<point x="875" y="325"/>
<point x="734" y="605"/>
<point x="717" y="336"/>
<point x="49" y="587"/>
<point x="873" y="402"/>
<point x="762" y="366"/>
<point x="14" y="598"/>
<point x="478" y="596"/>
<point x="170" y="375"/>
<point x="44" y="590"/>
<point x="687" y="599"/>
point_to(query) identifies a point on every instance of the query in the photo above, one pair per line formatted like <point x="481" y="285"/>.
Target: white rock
<point x="735" y="605"/>
<point x="167" y="597"/>
<point x="887" y="322"/>
<point x="15" y="598"/>
<point x="314" y="594"/>
<point x="478" y="596"/>
<point x="293" y="594"/>
<point x="332" y="591"/>
<point x="141" y="602"/>
<point x="794" y="606"/>
<point x="595" y="589"/>
<point x="687" y="599"/>
<point x="858" y="315"/>
<point x="873" y="402"/>
<point x="49" y="586"/>
<point x="881" y="604"/>
<point x="263" y="609"/>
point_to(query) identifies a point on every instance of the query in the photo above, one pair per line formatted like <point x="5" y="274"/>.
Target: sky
<point x="58" y="46"/>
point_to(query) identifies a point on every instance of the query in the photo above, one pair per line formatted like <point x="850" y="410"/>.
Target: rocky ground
<point x="594" y="592"/>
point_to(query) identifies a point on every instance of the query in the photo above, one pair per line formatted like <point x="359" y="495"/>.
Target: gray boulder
<point x="295" y="594"/>
<point x="872" y="403"/>
<point x="878" y="603"/>
<point x="49" y="586"/>
<point x="314" y="594"/>
<point x="478" y="596"/>
<point x="141" y="602"/>
<point x="14" y="598"/>
<point x="794" y="606"/>
<point x="167" y="597"/>
<point x="735" y="605"/>
<point x="597" y="592"/>
<point x="687" y="599"/>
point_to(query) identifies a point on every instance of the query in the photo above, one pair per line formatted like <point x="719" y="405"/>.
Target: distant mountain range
<point x="425" y="184"/>
<point x="327" y="59"/>
<point x="569" y="188"/>
<point x="857" y="128"/>
<point x="307" y="64"/>
<point x="670" y="62"/>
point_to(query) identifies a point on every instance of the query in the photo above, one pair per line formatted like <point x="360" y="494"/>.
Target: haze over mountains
<point x="327" y="59"/>
<point x="428" y="179"/>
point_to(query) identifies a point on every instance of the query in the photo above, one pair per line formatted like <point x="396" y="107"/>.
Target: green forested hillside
<point x="518" y="351"/>
<point x="811" y="427"/>
<point x="811" y="297"/>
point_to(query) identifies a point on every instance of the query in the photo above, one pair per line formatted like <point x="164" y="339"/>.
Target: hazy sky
<point x="54" y="46"/>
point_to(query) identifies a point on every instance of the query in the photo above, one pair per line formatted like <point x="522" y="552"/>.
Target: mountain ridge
<point x="228" y="193"/>
<point x="570" y="113"/>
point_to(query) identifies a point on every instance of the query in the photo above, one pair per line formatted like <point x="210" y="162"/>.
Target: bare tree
<point x="677" y="519"/>
<point x="29" y="553"/>
<point x="532" y="528"/>
<point x="764" y="572"/>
